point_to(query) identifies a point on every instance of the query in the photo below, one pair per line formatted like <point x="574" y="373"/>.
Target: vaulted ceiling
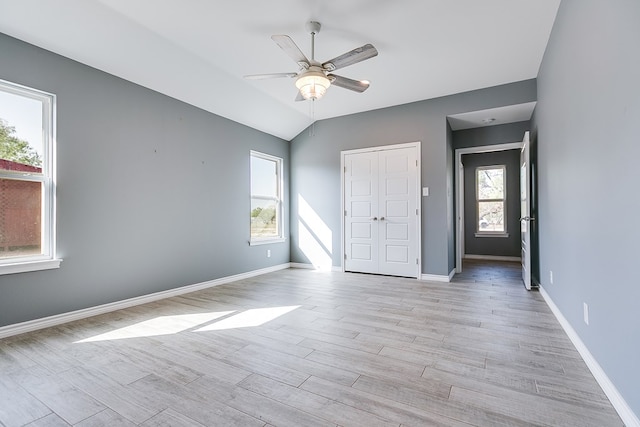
<point x="198" y="51"/>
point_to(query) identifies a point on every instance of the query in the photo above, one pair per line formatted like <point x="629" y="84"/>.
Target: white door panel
<point x="397" y="254"/>
<point x="397" y="209"/>
<point x="361" y="188"/>
<point x="361" y="209"/>
<point x="361" y="252"/>
<point x="397" y="231"/>
<point x="360" y="230"/>
<point x="397" y="187"/>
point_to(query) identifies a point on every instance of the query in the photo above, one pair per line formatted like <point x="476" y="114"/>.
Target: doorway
<point x="381" y="203"/>
<point x="460" y="194"/>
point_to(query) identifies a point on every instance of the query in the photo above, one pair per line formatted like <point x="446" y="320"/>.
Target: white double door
<point x="381" y="218"/>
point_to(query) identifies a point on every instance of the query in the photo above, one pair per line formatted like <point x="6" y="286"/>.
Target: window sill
<point x="266" y="241"/>
<point x="502" y="235"/>
<point x="26" y="266"/>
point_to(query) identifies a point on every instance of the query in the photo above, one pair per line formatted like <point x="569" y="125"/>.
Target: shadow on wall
<point x="314" y="236"/>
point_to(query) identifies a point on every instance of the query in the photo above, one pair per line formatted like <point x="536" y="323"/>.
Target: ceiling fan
<point x="314" y="78"/>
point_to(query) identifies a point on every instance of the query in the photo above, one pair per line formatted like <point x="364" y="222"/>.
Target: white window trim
<point x="266" y="240"/>
<point x="48" y="259"/>
<point x="253" y="241"/>
<point x="490" y="233"/>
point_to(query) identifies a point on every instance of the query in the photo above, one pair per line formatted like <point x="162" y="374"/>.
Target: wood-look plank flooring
<point x="306" y="348"/>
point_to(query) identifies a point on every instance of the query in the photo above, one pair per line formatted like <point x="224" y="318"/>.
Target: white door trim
<point x="343" y="155"/>
<point x="460" y="191"/>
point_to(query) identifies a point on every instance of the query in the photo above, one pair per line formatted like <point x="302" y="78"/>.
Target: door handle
<point x="375" y="218"/>
<point x="381" y="218"/>
<point x="527" y="218"/>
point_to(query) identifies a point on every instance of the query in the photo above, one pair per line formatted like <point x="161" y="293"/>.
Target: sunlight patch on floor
<point x="162" y="325"/>
<point x="249" y="318"/>
<point x="169" y="325"/>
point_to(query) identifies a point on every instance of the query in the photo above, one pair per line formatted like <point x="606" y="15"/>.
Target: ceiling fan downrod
<point x="314" y="28"/>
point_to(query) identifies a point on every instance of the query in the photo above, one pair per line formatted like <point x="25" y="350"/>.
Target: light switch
<point x="425" y="191"/>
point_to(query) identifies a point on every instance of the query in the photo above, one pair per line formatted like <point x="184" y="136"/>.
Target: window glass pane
<point x="21" y="138"/>
<point x="264" y="221"/>
<point x="20" y="218"/>
<point x="264" y="177"/>
<point x="266" y="197"/>
<point x="490" y="216"/>
<point x="490" y="184"/>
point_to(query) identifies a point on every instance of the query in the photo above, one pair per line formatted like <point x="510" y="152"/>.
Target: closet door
<point x="381" y="212"/>
<point x="398" y="212"/>
<point x="361" y="212"/>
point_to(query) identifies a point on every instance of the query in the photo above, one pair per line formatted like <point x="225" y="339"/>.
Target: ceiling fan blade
<point x="291" y="49"/>
<point x="356" y="55"/>
<point x="299" y="97"/>
<point x="269" y="76"/>
<point x="345" y="83"/>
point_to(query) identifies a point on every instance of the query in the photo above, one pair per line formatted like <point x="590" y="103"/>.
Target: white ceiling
<point x="492" y="116"/>
<point x="198" y="50"/>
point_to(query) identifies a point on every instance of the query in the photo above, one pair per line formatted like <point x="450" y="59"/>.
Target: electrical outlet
<point x="585" y="308"/>
<point x="551" y="277"/>
<point x="268" y="253"/>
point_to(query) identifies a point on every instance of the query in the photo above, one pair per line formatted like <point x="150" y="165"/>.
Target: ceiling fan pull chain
<point x="312" y="114"/>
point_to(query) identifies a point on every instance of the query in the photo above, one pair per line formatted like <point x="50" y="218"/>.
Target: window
<point x="26" y="179"/>
<point x="491" y="198"/>
<point x="266" y="198"/>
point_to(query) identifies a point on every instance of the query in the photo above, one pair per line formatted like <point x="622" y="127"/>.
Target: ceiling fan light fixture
<point x="313" y="84"/>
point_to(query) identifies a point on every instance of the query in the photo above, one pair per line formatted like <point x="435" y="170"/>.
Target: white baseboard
<point x="629" y="418"/>
<point x="314" y="267"/>
<point x="493" y="257"/>
<point x="438" y="277"/>
<point x="58" y="319"/>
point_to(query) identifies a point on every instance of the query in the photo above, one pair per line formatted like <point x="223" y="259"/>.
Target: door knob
<point x="381" y="218"/>
<point x="375" y="218"/>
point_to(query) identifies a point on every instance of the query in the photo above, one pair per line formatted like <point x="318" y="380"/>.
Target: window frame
<point x="503" y="200"/>
<point x="47" y="259"/>
<point x="279" y="199"/>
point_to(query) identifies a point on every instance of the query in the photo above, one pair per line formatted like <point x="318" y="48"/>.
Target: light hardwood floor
<point x="340" y="349"/>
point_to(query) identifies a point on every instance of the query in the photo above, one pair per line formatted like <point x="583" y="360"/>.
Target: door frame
<point x="343" y="154"/>
<point x="459" y="190"/>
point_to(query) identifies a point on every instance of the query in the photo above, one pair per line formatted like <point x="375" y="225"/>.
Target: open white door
<point x="525" y="212"/>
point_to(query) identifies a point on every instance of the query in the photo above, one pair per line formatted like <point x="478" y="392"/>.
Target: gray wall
<point x="495" y="246"/>
<point x="490" y="135"/>
<point x="588" y="149"/>
<point x="152" y="193"/>
<point x="315" y="164"/>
